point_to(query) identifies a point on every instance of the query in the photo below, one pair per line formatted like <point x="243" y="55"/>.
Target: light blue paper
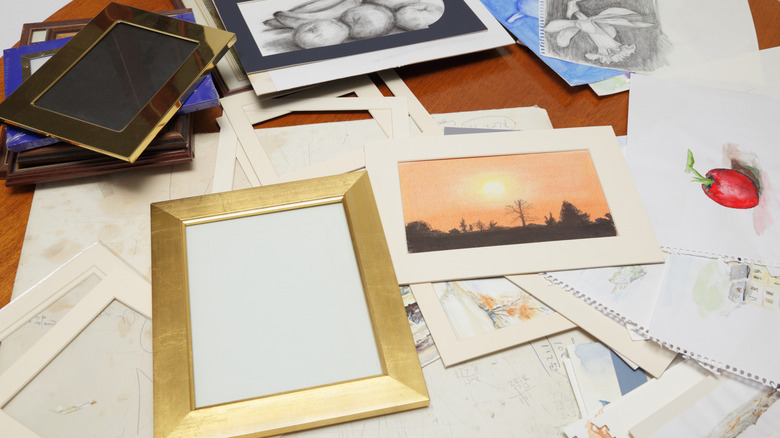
<point x="521" y="18"/>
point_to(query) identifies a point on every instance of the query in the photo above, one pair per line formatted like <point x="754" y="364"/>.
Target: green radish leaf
<point x="690" y="162"/>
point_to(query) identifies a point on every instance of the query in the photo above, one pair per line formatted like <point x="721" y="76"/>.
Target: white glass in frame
<point x="276" y="304"/>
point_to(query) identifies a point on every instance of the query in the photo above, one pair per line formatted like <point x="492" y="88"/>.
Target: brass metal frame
<point x="400" y="386"/>
<point x="126" y="144"/>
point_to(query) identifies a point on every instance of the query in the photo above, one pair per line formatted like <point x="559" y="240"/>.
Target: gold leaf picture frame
<point x="215" y="257"/>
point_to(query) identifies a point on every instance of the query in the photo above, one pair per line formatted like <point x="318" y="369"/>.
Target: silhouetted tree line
<point x="569" y="217"/>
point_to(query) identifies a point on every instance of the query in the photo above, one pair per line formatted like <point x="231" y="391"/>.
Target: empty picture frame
<point x="454" y="349"/>
<point x="111" y="282"/>
<point x="493" y="188"/>
<point x="299" y="272"/>
<point x="137" y="64"/>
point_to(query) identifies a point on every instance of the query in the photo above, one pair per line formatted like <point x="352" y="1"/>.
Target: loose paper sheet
<point x="473" y="318"/>
<point x="726" y="408"/>
<point x="627" y="411"/>
<point x="600" y="376"/>
<point x="522" y="391"/>
<point x="716" y="312"/>
<point x="653" y="358"/>
<point x="627" y="292"/>
<point x="423" y="341"/>
<point x="722" y="129"/>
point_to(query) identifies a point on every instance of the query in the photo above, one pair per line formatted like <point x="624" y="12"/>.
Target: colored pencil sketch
<point x="502" y="200"/>
<point x="474" y="307"/>
<point x="606" y="33"/>
<point x="423" y="341"/>
<point x="279" y="27"/>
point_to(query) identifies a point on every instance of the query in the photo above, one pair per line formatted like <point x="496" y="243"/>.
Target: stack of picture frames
<point x="29" y="158"/>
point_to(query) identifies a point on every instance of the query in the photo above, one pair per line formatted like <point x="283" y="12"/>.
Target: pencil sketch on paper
<point x="502" y="200"/>
<point x="474" y="307"/>
<point x="624" y="276"/>
<point x="623" y="34"/>
<point x="279" y="27"/>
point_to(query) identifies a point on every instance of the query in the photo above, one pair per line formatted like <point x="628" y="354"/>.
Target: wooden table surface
<point x="507" y="77"/>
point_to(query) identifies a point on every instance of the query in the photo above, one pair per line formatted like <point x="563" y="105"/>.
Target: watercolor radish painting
<point x="730" y="188"/>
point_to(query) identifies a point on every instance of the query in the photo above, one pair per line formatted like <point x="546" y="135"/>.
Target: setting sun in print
<point x="493" y="188"/>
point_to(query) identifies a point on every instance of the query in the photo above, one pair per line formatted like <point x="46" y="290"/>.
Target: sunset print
<point x="502" y="200"/>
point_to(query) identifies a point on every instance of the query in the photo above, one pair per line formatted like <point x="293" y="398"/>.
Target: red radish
<point x="728" y="187"/>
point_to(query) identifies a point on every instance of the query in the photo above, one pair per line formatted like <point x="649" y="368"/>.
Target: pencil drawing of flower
<point x="601" y="30"/>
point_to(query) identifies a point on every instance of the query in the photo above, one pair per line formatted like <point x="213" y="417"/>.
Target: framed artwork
<point x="531" y="201"/>
<point x="468" y="319"/>
<point x="88" y="321"/>
<point x="277" y="33"/>
<point x="347" y="354"/>
<point x="283" y="45"/>
<point x="651" y="357"/>
<point x="60" y="100"/>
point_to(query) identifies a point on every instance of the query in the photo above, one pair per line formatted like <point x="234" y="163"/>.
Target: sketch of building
<point x="753" y="284"/>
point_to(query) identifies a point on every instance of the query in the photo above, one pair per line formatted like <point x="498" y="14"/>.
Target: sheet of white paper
<point x="713" y="310"/>
<point x="316" y="72"/>
<point x="520" y="392"/>
<point x="725" y="412"/>
<point x="66" y="217"/>
<point x="752" y="72"/>
<point x="15" y="14"/>
<point x="658" y="36"/>
<point x="627" y="411"/>
<point x="722" y="129"/>
<point x="627" y="292"/>
<point x="594" y="376"/>
<point x="766" y="426"/>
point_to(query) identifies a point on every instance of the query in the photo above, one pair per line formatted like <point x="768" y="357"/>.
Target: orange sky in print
<point x="441" y="192"/>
